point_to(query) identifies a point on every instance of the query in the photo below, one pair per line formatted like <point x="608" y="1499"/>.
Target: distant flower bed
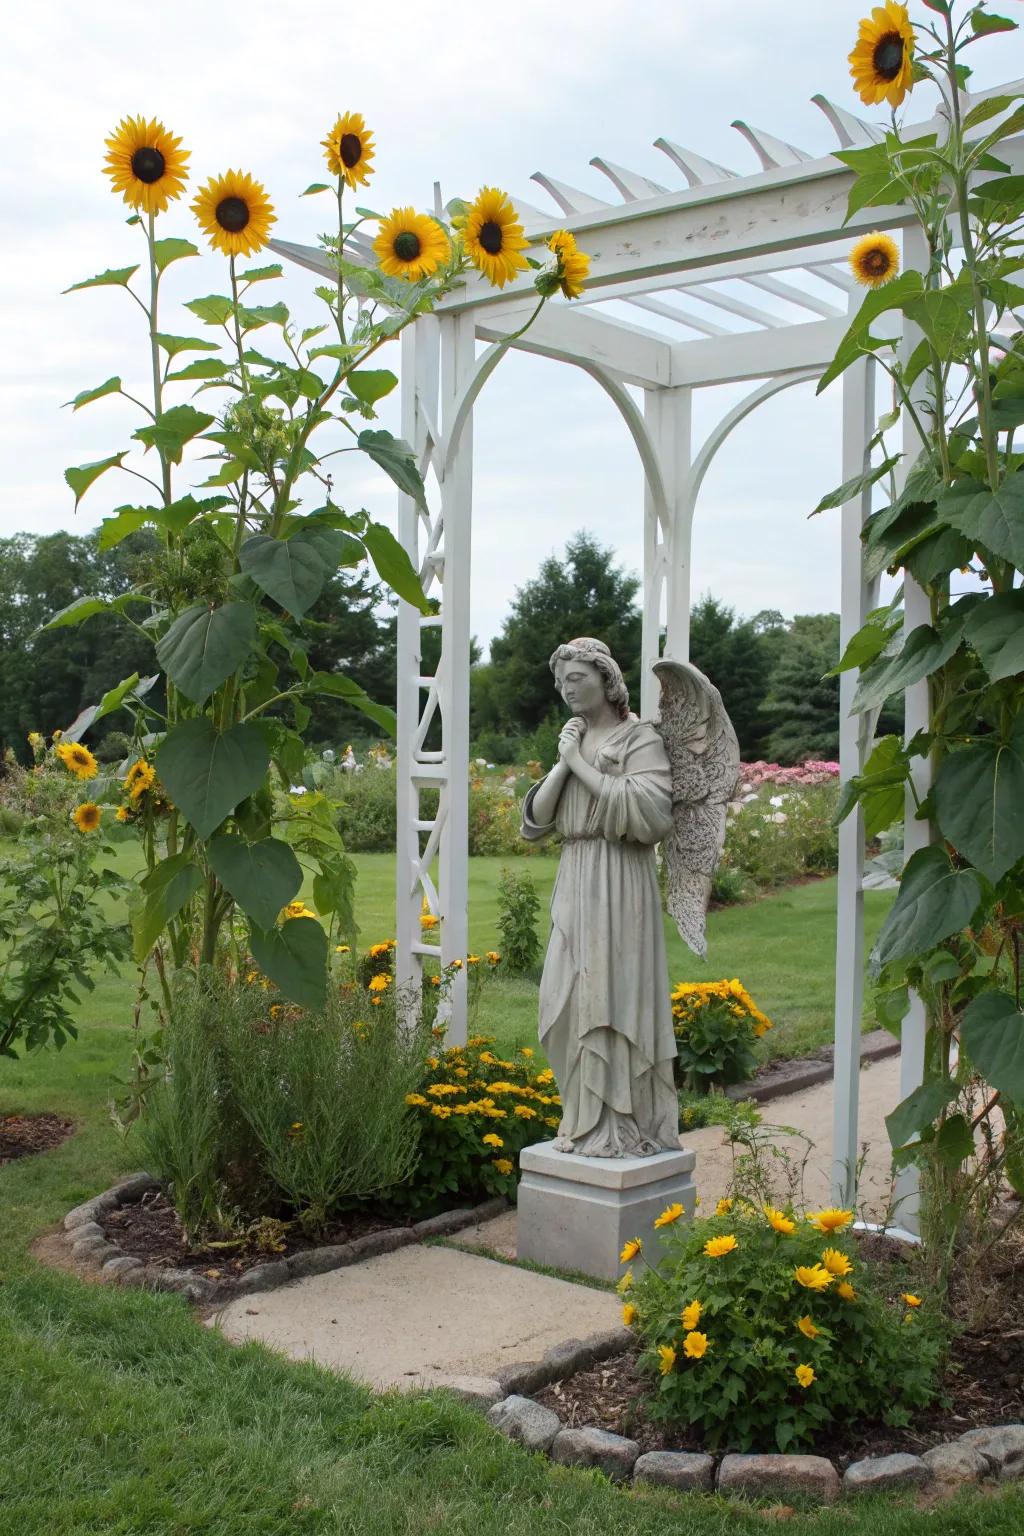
<point x="752" y="775"/>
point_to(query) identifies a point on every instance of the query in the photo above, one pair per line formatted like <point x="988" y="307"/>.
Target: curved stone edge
<point x="90" y="1246"/>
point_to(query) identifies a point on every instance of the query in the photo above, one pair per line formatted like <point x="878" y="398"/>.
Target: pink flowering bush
<point x="753" y="775"/>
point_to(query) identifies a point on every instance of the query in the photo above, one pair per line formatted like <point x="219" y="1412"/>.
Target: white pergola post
<point x="668" y="518"/>
<point x="858" y="427"/>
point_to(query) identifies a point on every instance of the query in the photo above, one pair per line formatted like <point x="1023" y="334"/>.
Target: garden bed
<point x="25" y="1135"/>
<point x="983" y="1383"/>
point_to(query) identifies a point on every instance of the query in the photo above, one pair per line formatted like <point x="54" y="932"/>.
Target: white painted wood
<point x="756" y="354"/>
<point x="631" y="184"/>
<point x="680" y="316"/>
<point x="851" y="131"/>
<point x="634" y="354"/>
<point x="858" y="426"/>
<point x="668" y="414"/>
<point x="697" y="170"/>
<point x="768" y="149"/>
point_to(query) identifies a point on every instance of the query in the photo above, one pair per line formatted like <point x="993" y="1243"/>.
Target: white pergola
<point x="747" y="275"/>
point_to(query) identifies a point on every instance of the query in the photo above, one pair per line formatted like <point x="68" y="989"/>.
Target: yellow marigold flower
<point x="836" y="1262"/>
<point x="410" y="245"/>
<point x="416" y="1100"/>
<point x="123" y="813"/>
<point x="384" y="948"/>
<point x="691" y="1315"/>
<point x="275" y="1010"/>
<point x="78" y="759"/>
<point x="552" y="1121"/>
<point x="140" y="777"/>
<point x="723" y="1207"/>
<point x="235" y="213"/>
<point x="830" y="1221"/>
<point x="875" y="259"/>
<point x="807" y="1327"/>
<point x="630" y="1251"/>
<point x="524" y="1112"/>
<point x="341" y="949"/>
<point x="493" y="958"/>
<point x="670" y="1214"/>
<point x="460" y="1071"/>
<point x="882" y="60"/>
<point x="779" y="1221"/>
<point x="296" y="908"/>
<point x="472" y="959"/>
<point x="526" y="1050"/>
<point x="625" y="1283"/>
<point x="911" y="1301"/>
<point x="379" y="983"/>
<point x="629" y="1315"/>
<point x="546" y="1076"/>
<point x="503" y="1165"/>
<point x="429" y="920"/>
<point x="804" y="1375"/>
<point x="573" y="264"/>
<point x="846" y="1291"/>
<point x="349" y="150"/>
<point x="813" y="1277"/>
<point x="86" y="817"/>
<point x="442" y="1111"/>
<point x="696" y="1346"/>
<point x="491" y="1140"/>
<point x="718" y="1247"/>
<point x="435" y="981"/>
<point x="35" y="740"/>
<point x="666" y="1357"/>
<point x="146" y="164"/>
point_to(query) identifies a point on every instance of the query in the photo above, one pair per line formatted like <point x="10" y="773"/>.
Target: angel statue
<point x="620" y="786"/>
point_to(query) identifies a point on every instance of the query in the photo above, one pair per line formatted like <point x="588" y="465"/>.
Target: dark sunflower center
<point x="148" y="164"/>
<point x="888" y="56"/>
<point x="491" y="236"/>
<point x="407" y="245"/>
<point x="875" y="261"/>
<point x="351" y="149"/>
<point x="232" y="214"/>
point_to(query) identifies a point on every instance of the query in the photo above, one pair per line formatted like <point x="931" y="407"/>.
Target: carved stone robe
<point x="605" y="1014"/>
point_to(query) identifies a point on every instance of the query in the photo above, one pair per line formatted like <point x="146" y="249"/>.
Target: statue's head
<point x="584" y="670"/>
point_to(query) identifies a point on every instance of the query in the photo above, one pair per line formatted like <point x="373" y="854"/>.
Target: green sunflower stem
<point x="341" y="279"/>
<point x="154" y="350"/>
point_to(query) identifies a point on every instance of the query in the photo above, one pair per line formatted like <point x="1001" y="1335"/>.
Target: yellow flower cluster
<point x="690" y="997"/>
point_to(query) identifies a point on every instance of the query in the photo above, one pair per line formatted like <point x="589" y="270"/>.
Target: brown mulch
<point x="983" y="1384"/>
<point x="24" y="1135"/>
<point x="149" y="1230"/>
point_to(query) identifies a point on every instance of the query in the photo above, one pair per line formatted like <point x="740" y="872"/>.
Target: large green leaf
<point x="394" y="566"/>
<point x="175" y="517"/>
<point x="262" y="877"/>
<point x="917" y="1111"/>
<point x="340" y="687"/>
<point x="294" y="956"/>
<point x="86" y="396"/>
<point x="165" y="891"/>
<point x="214" y="308"/>
<point x="288" y="570"/>
<point x="81" y="477"/>
<point x="114" y="277"/>
<point x="333" y="545"/>
<point x="880" y="788"/>
<point x="172" y="345"/>
<point x="396" y="458"/>
<point x="171" y="249"/>
<point x="207" y="772"/>
<point x="173" y="430"/>
<point x="113" y="699"/>
<point x="935" y="899"/>
<point x="205" y="645"/>
<point x="909" y="285"/>
<point x="992" y="1034"/>
<point x="994" y="518"/>
<point x="996" y="631"/>
<point x="851" y="488"/>
<point x="979" y="801"/>
<point x="371" y="384"/>
<point x="260" y="274"/>
<point x="202" y="368"/>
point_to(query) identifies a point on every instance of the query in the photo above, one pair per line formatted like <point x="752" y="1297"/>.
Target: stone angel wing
<point x="705" y="758"/>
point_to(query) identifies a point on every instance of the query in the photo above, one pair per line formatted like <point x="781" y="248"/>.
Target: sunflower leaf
<point x="994" y="518"/>
<point x="294" y="956"/>
<point x="894" y="295"/>
<point x="288" y="570"/>
<point x="996" y="632"/>
<point x="262" y="876"/>
<point x="108" y="387"/>
<point x="397" y="459"/>
<point x="314" y="187"/>
<point x="205" y="645"/>
<point x="983" y="22"/>
<point x="81" y="477"/>
<point x="250" y="319"/>
<point x="116" y="277"/>
<point x="989" y="108"/>
<point x="173" y="430"/>
<point x="371" y="384"/>
<point x="260" y="274"/>
<point x="230" y="471"/>
<point x="341" y="687"/>
<point x="335" y="349"/>
<point x="214" y="308"/>
<point x="992" y="1034"/>
<point x="849" y="489"/>
<point x="208" y="772"/>
<point x="394" y="566"/>
<point x="979" y="801"/>
<point x="167" y="888"/>
<point x="172" y="345"/>
<point x="202" y="368"/>
<point x="166" y="251"/>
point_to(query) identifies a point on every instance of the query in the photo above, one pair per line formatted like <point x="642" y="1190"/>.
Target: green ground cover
<point x="120" y="1415"/>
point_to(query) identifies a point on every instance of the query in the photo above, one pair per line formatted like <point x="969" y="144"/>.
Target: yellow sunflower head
<point x="493" y="237"/>
<point x="573" y="264"/>
<point x="146" y="164"/>
<point x="348" y="149"/>
<point x="875" y="259"/>
<point x="410" y="245"/>
<point x="86" y="817"/>
<point x="140" y="777"/>
<point x="78" y="759"/>
<point x="235" y="213"/>
<point x="882" y="61"/>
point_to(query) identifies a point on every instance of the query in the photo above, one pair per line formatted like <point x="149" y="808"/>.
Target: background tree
<point x="737" y="657"/>
<point x="581" y="593"/>
<point x="802" y="706"/>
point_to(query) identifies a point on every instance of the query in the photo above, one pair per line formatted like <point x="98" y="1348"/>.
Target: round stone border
<point x="989" y="1453"/>
<point x="90" y="1245"/>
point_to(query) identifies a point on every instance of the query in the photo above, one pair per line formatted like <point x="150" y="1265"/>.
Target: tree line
<point x="771" y="671"/>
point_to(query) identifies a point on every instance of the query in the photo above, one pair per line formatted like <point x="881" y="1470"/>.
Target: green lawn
<point x="120" y="1415"/>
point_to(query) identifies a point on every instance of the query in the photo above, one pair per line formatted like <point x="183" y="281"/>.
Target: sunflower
<point x="86" y="817"/>
<point x="410" y="245"/>
<point x="349" y="150"/>
<point x="573" y="264"/>
<point x="494" y="237"/>
<point x="882" y="61"/>
<point x="234" y="213"/>
<point x="146" y="164"/>
<point x="875" y="259"/>
<point x="140" y="777"/>
<point x="78" y="759"/>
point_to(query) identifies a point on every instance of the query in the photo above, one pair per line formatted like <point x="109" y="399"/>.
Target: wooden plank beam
<point x="757" y="354"/>
<point x="635" y="355"/>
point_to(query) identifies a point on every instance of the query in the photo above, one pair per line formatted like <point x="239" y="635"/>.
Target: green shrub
<point x="114" y="747"/>
<point x="518" y="905"/>
<point x="716" y="1024"/>
<point x="760" y="1328"/>
<point x="697" y="1110"/>
<point x="784" y="834"/>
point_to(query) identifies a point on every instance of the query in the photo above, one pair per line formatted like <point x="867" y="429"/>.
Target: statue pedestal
<point x="578" y="1212"/>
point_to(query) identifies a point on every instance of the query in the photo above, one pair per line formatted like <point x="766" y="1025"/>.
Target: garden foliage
<point x="716" y="1024"/>
<point x="518" y="906"/>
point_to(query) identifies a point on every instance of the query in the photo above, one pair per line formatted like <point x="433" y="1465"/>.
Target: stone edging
<point x="996" y="1452"/>
<point x="90" y="1245"/>
<point x="776" y="1079"/>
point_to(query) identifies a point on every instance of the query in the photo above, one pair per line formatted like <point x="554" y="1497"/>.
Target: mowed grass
<point x="121" y="1414"/>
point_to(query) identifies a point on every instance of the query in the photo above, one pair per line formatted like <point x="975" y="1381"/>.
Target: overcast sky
<point x="463" y="93"/>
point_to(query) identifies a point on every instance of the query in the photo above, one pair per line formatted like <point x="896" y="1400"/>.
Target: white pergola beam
<point x="756" y="354"/>
<point x="816" y="259"/>
<point x="635" y="355"/>
<point x="680" y="316"/>
<point x="698" y="171"/>
<point x="768" y="149"/>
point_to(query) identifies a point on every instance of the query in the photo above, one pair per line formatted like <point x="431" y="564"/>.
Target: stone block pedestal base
<point x="578" y="1212"/>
